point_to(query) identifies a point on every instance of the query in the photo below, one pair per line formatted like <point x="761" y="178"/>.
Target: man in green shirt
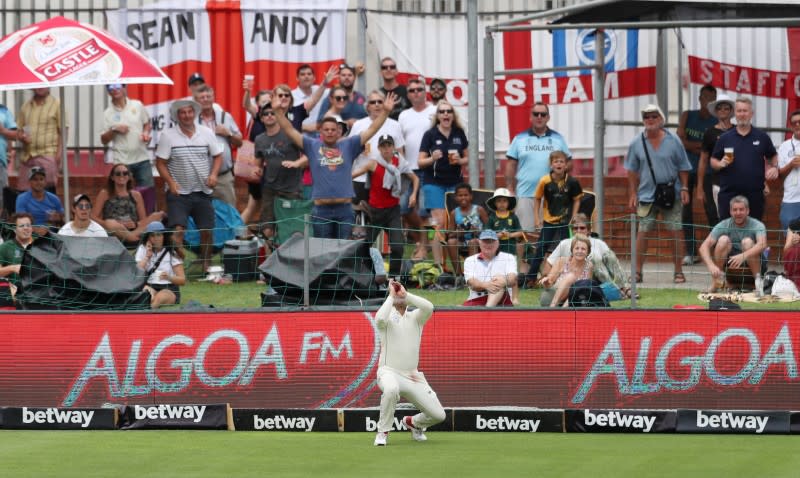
<point x="735" y="242"/>
<point x="11" y="254"/>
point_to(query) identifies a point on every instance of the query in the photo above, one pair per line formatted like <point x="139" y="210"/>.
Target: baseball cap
<point x="155" y="226"/>
<point x="195" y="77"/>
<point x="651" y="108"/>
<point x="385" y="139"/>
<point x="36" y="170"/>
<point x="438" y="81"/>
<point x="488" y="235"/>
<point x="78" y="197"/>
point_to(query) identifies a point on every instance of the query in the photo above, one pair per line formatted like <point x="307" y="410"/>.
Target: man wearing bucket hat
<point x="188" y="158"/>
<point x="656" y="157"/>
<point x="707" y="180"/>
<point x="692" y="125"/>
<point x="490" y="274"/>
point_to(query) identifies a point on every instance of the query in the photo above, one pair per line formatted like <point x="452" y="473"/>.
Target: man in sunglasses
<point x="351" y="103"/>
<point x="82" y="225"/>
<point x="529" y="160"/>
<point x="438" y="90"/>
<point x="789" y="163"/>
<point x="127" y="132"/>
<point x="44" y="206"/>
<point x="391" y="85"/>
<point x="282" y="162"/>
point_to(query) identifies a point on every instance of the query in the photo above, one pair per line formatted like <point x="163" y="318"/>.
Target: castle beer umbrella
<point x="62" y="52"/>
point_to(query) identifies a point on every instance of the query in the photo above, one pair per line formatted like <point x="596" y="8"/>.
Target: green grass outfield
<point x="122" y="454"/>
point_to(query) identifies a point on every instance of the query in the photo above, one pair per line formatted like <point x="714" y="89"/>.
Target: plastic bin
<point x="240" y="259"/>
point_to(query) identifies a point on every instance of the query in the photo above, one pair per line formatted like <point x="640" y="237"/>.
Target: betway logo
<point x="506" y="424"/>
<point x="54" y="415"/>
<point x="372" y="425"/>
<point x="731" y="420"/>
<point x="190" y="412"/>
<point x="618" y="419"/>
<point x="280" y="422"/>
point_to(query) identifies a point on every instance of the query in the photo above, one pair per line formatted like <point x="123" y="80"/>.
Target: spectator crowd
<point x="391" y="160"/>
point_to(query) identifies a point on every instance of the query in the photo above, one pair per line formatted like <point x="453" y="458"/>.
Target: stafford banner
<point x="472" y="358"/>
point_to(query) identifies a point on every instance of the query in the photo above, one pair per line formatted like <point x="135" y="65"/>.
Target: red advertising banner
<point x="538" y="358"/>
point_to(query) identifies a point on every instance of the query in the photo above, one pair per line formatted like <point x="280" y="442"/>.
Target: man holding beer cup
<point x="789" y="164"/>
<point x="739" y="158"/>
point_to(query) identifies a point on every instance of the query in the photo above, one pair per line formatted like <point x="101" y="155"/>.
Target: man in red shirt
<point x="385" y="188"/>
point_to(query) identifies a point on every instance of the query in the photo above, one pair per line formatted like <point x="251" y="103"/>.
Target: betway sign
<point x="587" y="359"/>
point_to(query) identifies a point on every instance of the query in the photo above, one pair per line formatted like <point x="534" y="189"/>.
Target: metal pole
<point x="633" y="261"/>
<point x="488" y="109"/>
<point x="306" y="265"/>
<point x="599" y="130"/>
<point x="662" y="94"/>
<point x="362" y="41"/>
<point x="64" y="165"/>
<point x="472" y="92"/>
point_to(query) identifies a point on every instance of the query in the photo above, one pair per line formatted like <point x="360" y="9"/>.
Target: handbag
<point x="665" y="192"/>
<point x="247" y="166"/>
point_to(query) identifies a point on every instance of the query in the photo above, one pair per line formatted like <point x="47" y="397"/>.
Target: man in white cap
<point x="490" y="274"/>
<point x="707" y="181"/>
<point x="188" y="158"/>
<point x="692" y="125"/>
<point x="656" y="157"/>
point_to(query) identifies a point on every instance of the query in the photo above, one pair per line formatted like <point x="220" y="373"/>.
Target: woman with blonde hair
<point x="442" y="153"/>
<point x="568" y="270"/>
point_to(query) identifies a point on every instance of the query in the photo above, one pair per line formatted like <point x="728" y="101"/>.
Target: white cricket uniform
<point x="397" y="367"/>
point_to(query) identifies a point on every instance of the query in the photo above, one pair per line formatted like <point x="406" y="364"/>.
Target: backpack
<point x="425" y="273"/>
<point x="587" y="293"/>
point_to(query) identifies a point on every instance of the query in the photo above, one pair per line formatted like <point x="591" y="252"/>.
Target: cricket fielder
<point x="401" y="334"/>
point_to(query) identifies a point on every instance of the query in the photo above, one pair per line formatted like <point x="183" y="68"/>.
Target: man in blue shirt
<point x="44" y="206"/>
<point x="330" y="159"/>
<point x="529" y="160"/>
<point x="668" y="163"/>
<point x="742" y="172"/>
<point x="8" y="131"/>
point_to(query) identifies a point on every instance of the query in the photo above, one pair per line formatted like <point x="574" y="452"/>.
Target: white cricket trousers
<point x="416" y="390"/>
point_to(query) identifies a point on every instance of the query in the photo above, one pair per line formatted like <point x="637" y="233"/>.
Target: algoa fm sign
<point x="563" y="359"/>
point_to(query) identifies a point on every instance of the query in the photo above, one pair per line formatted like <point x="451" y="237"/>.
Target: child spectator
<point x="558" y="195"/>
<point x="503" y="220"/>
<point x="466" y="222"/>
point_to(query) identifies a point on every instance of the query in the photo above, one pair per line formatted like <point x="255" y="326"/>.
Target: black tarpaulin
<point x="82" y="273"/>
<point x="340" y="272"/>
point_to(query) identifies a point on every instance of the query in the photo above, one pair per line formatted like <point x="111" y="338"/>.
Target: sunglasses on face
<point x="539" y="114"/>
<point x="268" y="113"/>
<point x="85" y="206"/>
<point x="375" y="102"/>
<point x="795" y="123"/>
<point x="416" y="90"/>
<point x="284" y="95"/>
<point x="437" y="88"/>
<point x="388" y="67"/>
<point x="651" y="117"/>
<point x="121" y="174"/>
<point x="445" y="112"/>
<point x="580" y="228"/>
<point x="340" y="98"/>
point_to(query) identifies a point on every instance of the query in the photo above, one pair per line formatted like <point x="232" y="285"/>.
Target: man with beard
<point x="355" y="103"/>
<point x="391" y="85"/>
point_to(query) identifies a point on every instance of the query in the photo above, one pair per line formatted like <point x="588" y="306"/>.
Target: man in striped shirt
<point x="188" y="157"/>
<point x="39" y="130"/>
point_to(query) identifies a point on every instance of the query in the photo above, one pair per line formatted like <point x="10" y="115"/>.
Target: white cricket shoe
<point x="380" y="438"/>
<point x="418" y="434"/>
